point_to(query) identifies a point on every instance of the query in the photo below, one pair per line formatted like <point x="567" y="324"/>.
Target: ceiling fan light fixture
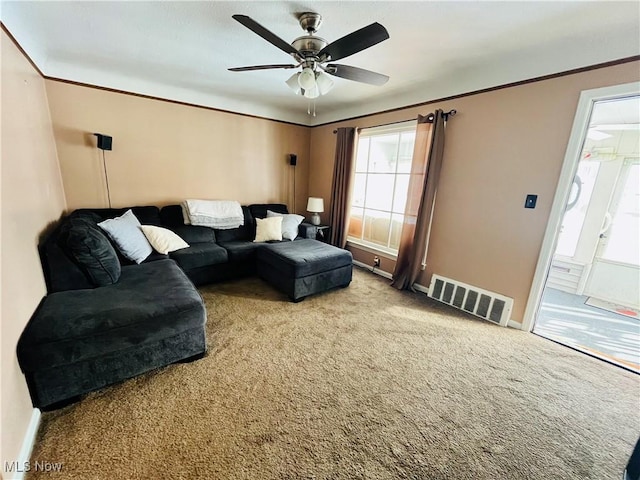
<point x="324" y="83"/>
<point x="313" y="53"/>
<point x="294" y="84"/>
<point x="312" y="93"/>
<point x="307" y="79"/>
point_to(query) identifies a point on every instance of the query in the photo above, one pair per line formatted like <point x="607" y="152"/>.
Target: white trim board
<point x="25" y="450"/>
<point x="377" y="271"/>
<point x="421" y="288"/>
<point x="569" y="167"/>
<point x="370" y="249"/>
<point x="513" y="324"/>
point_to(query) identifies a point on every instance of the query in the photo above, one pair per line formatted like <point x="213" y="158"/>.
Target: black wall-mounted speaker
<point x="293" y="159"/>
<point x="104" y="141"/>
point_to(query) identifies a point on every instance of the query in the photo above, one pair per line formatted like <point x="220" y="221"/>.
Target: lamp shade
<point x="312" y="93"/>
<point x="307" y="79"/>
<point x="324" y="83"/>
<point x="293" y="83"/>
<point x="315" y="205"/>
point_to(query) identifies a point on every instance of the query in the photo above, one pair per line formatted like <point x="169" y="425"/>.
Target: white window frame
<point x="406" y="126"/>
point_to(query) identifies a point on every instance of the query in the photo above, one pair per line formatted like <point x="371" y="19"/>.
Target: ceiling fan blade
<point x="270" y="37"/>
<point x="356" y="74"/>
<point x="261" y="67"/>
<point x="355" y="42"/>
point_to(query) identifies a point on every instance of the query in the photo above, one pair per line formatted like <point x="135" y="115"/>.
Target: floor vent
<point x="488" y="305"/>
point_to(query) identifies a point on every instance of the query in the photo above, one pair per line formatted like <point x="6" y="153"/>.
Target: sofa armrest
<point x="307" y="230"/>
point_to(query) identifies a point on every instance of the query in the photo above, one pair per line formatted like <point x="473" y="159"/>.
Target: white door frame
<point x="568" y="172"/>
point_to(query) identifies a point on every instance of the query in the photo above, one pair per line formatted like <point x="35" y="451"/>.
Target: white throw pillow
<point x="126" y="234"/>
<point x="268" y="229"/>
<point x="162" y="239"/>
<point x="290" y="222"/>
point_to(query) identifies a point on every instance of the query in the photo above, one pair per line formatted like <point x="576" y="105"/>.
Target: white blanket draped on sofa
<point x="222" y="214"/>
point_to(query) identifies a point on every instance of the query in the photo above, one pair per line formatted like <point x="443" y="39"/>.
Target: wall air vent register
<point x="491" y="306"/>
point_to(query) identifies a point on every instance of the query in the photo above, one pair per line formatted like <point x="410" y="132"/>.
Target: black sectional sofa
<point x="106" y="319"/>
<point x="215" y="255"/>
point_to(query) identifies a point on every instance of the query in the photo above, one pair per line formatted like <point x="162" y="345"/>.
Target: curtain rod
<point x="429" y="118"/>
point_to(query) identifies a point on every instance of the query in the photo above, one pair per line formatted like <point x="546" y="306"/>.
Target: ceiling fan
<point x="313" y="53"/>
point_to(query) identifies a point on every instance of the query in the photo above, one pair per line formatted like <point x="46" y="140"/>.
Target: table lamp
<point x="315" y="205"/>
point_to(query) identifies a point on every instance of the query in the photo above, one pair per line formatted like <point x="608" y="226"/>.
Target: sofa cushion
<point x="240" y="251"/>
<point x="290" y="223"/>
<point x="246" y="232"/>
<point x="147" y="215"/>
<point x="171" y="217"/>
<point x="126" y="234"/>
<point x="195" y="233"/>
<point x="90" y="249"/>
<point x="151" y="301"/>
<point x="303" y="257"/>
<point x="162" y="239"/>
<point x="200" y="255"/>
<point x="268" y="229"/>
<point x="259" y="210"/>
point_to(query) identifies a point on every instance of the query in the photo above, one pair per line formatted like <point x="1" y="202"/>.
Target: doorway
<point x="589" y="298"/>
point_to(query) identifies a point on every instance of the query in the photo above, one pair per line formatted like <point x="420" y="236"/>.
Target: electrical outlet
<point x="376" y="261"/>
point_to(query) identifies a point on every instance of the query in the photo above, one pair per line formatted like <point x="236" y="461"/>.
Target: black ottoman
<point x="304" y="267"/>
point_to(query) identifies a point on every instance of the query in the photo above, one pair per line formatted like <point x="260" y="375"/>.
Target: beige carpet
<point x="359" y="383"/>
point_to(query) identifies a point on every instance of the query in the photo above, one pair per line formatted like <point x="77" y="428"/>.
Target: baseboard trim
<point x="514" y="324"/>
<point x="27" y="446"/>
<point x="421" y="288"/>
<point x="382" y="273"/>
<point x="377" y="271"/>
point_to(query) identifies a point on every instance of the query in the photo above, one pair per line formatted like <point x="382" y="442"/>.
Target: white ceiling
<point x="182" y="50"/>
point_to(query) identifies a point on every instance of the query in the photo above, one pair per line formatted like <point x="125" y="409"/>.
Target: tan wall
<point x="367" y="257"/>
<point x="500" y="146"/>
<point x="32" y="197"/>
<point x="165" y="152"/>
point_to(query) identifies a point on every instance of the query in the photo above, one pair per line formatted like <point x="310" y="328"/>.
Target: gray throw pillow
<point x="91" y="251"/>
<point x="126" y="234"/>
<point x="290" y="223"/>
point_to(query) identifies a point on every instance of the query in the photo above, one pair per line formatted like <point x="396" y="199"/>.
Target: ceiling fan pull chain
<point x="309" y="108"/>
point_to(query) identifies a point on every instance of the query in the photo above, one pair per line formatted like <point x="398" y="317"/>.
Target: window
<point x="383" y="165"/>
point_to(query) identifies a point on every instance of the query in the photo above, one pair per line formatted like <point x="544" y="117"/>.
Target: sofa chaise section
<point x="82" y="340"/>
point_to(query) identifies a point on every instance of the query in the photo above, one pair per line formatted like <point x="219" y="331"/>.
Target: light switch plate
<point x="531" y="200"/>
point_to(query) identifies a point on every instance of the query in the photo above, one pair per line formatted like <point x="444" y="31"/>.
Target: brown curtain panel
<point x="342" y="187"/>
<point x="423" y="183"/>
